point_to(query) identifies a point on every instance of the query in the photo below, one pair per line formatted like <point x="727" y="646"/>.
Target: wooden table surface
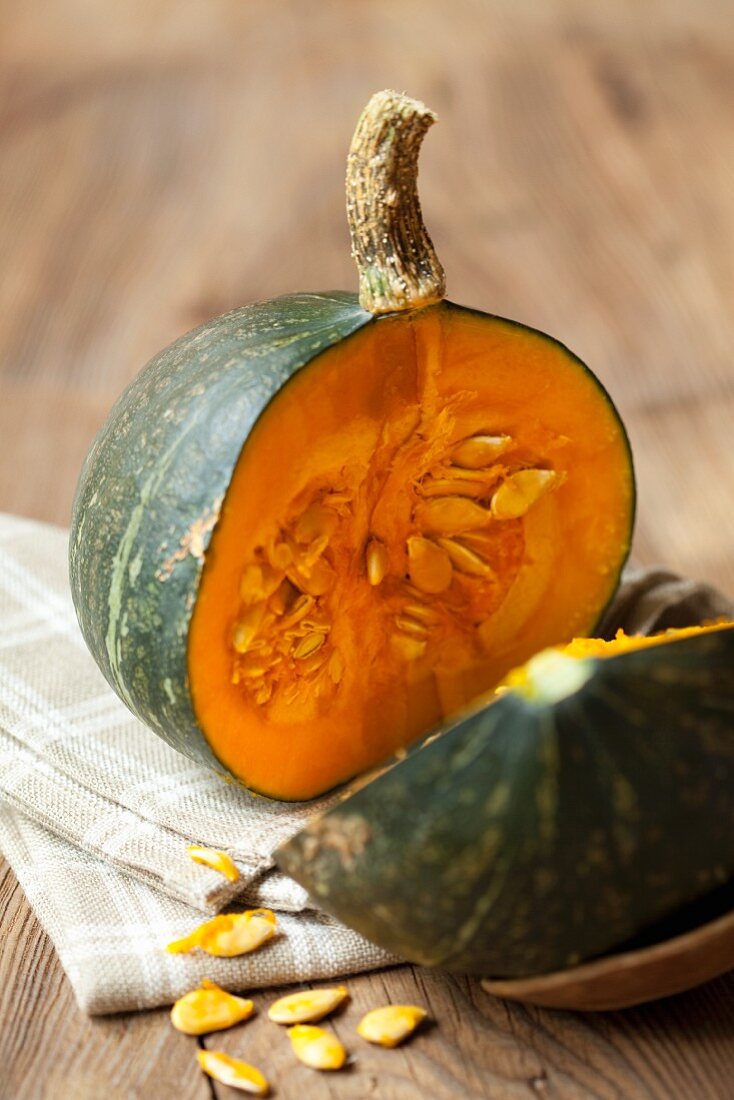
<point x="166" y="160"/>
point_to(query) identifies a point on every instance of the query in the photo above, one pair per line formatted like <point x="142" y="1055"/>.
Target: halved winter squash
<point x="589" y="801"/>
<point x="314" y="528"/>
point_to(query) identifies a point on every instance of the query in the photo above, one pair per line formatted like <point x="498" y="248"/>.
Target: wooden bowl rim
<point x="549" y="989"/>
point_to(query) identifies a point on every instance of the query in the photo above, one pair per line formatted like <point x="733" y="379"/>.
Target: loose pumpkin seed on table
<point x="390" y="475"/>
<point x="229" y="934"/>
<point x="391" y="1025"/>
<point x="218" y="861"/>
<point x="307" y="1006"/>
<point x="233" y="1072"/>
<point x="209" y="1008"/>
<point x="316" y="1047"/>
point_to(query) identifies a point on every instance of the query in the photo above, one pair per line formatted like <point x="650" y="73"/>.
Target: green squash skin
<point x="156" y="478"/>
<point x="529" y="837"/>
<point x="157" y="474"/>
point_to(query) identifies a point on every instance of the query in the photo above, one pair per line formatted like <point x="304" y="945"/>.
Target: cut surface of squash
<point x="419" y="510"/>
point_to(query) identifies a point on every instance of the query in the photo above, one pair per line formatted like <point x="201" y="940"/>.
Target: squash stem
<point x="398" y="266"/>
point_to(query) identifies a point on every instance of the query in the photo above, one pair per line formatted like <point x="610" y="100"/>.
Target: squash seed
<point x="280" y="555"/>
<point x="245" y="630"/>
<point x="218" y="861"/>
<point x="444" y="487"/>
<point x="465" y="560"/>
<point x="316" y="522"/>
<point x="390" y="1025"/>
<point x="411" y="626"/>
<point x="233" y="1072"/>
<point x="317" y="1048"/>
<point x="300" y="609"/>
<point x="209" y="1009"/>
<point x="377" y="562"/>
<point x="336" y="666"/>
<point x="283" y="598"/>
<point x="308" y="645"/>
<point x="306" y="1007"/>
<point x="422" y="612"/>
<point x="259" y="581"/>
<point x="480" y="450"/>
<point x="229" y="934"/>
<point x="519" y="492"/>
<point x="429" y="566"/>
<point x="450" y="515"/>
<point x="315" y="580"/>
<point x="407" y="647"/>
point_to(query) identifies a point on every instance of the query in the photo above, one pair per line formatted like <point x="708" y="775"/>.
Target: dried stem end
<point x="398" y="267"/>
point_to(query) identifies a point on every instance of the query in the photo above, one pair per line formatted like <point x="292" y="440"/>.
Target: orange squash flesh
<point x="306" y="666"/>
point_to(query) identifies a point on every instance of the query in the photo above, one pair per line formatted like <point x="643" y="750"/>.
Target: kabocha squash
<point x="315" y="527"/>
<point x="578" y="809"/>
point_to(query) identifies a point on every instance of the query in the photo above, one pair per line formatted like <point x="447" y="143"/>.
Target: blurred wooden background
<point x="166" y="160"/>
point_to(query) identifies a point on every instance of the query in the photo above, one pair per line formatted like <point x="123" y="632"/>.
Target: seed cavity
<point x="519" y="492"/>
<point x="429" y="565"/>
<point x="391" y="1025"/>
<point x="307" y="1007"/>
<point x="218" y="861"/>
<point x="209" y="1009"/>
<point x="377" y="561"/>
<point x="233" y="1072"/>
<point x="450" y="515"/>
<point x="316" y="1047"/>
<point x="465" y="560"/>
<point x="480" y="451"/>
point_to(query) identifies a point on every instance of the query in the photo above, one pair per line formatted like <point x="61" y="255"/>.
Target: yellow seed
<point x="429" y="566"/>
<point x="314" y="663"/>
<point x="300" y="609"/>
<point x="519" y="492"/>
<point x="279" y="554"/>
<point x="283" y="598"/>
<point x="308" y="645"/>
<point x="263" y="694"/>
<point x="317" y="1048"/>
<point x="377" y="562"/>
<point x="422" y="612"/>
<point x="309" y="557"/>
<point x="209" y="1009"/>
<point x="314" y="523"/>
<point x="390" y="1025"/>
<point x="336" y="666"/>
<point x="233" y="1072"/>
<point x="411" y="626"/>
<point x="407" y="647"/>
<point x="316" y="580"/>
<point x="229" y="934"/>
<point x="259" y="582"/>
<point x="217" y="860"/>
<point x="302" y="1008"/>
<point x="245" y="630"/>
<point x="480" y="450"/>
<point x="464" y="559"/>
<point x="450" y="515"/>
<point x="444" y="487"/>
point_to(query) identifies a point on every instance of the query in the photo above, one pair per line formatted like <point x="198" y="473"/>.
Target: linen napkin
<point x="96" y="812"/>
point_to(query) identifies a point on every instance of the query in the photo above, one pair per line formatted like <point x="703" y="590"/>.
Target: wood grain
<point x="166" y="160"/>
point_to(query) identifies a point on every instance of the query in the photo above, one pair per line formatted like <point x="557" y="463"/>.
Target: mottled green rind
<point x="528" y="838"/>
<point x="158" y="471"/>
